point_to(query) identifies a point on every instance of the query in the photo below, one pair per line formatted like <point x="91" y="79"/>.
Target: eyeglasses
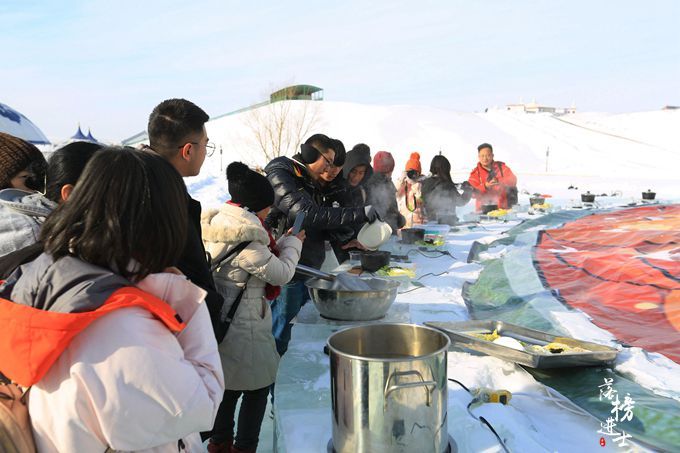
<point x="329" y="163"/>
<point x="209" y="147"/>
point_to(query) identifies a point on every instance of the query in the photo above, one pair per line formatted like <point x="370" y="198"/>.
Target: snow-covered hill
<point x="599" y="152"/>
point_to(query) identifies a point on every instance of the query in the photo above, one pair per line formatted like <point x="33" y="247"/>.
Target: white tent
<point x="14" y="123"/>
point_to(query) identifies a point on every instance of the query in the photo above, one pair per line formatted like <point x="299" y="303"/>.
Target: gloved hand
<point x="371" y="214"/>
<point x="466" y="186"/>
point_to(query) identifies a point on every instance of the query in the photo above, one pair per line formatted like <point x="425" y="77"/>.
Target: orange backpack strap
<point x="31" y="340"/>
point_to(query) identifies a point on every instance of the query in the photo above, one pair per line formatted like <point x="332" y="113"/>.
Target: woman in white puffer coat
<point x="248" y="351"/>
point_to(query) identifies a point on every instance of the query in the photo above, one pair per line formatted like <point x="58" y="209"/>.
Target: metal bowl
<point x="353" y="305"/>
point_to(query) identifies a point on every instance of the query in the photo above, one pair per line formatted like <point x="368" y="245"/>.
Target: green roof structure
<point x="297" y="92"/>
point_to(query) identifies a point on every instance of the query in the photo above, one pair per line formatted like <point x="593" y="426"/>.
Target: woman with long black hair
<point x="439" y="191"/>
<point x="117" y="348"/>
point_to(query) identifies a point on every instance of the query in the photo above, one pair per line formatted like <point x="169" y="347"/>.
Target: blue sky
<point x="106" y="64"/>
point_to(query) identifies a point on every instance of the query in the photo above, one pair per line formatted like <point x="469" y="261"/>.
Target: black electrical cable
<point x="433" y="274"/>
<point x="409" y="290"/>
<point x="440" y="252"/>
<point x="481" y="418"/>
<point x="461" y="384"/>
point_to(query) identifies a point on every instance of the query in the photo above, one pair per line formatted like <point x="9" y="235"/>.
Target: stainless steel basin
<point x="353" y="305"/>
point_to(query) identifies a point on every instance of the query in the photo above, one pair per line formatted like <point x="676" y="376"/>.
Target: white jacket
<point x="248" y="351"/>
<point x="128" y="383"/>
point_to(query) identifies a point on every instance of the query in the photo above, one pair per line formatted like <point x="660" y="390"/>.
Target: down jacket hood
<point x="50" y="305"/>
<point x="357" y="157"/>
<point x="33" y="204"/>
<point x="232" y="224"/>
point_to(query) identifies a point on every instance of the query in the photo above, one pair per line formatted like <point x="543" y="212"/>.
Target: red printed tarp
<point x="623" y="269"/>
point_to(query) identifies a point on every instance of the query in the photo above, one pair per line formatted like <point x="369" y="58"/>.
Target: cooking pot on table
<point x="447" y="219"/>
<point x="372" y="260"/>
<point x="411" y="235"/>
<point x="649" y="195"/>
<point x="353" y="305"/>
<point x="389" y="389"/>
<point x="487" y="208"/>
<point x="588" y="197"/>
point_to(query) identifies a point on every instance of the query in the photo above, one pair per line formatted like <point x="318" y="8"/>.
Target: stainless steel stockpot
<point x="389" y="389"/>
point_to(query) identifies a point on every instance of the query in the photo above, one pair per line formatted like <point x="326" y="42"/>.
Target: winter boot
<point x="235" y="449"/>
<point x="222" y="447"/>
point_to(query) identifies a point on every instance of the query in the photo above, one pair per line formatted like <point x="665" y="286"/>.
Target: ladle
<point x="311" y="272"/>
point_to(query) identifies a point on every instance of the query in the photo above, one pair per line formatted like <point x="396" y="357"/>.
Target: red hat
<point x="383" y="162"/>
<point x="414" y="163"/>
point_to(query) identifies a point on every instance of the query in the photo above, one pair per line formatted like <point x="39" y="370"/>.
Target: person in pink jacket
<point x="117" y="348"/>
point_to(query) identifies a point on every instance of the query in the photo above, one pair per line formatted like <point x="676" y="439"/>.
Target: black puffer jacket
<point x="295" y="191"/>
<point x="442" y="197"/>
<point x="382" y="195"/>
<point x="339" y="193"/>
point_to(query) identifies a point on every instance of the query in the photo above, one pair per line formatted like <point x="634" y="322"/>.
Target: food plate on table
<point x="529" y="347"/>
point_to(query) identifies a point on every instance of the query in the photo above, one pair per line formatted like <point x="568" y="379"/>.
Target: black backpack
<point x="10" y="262"/>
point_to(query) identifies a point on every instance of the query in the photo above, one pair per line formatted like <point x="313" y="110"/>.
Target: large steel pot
<point x="353" y="305"/>
<point x="388" y="389"/>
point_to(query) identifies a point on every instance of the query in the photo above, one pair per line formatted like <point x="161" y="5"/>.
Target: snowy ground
<point x="620" y="155"/>
<point x="536" y="420"/>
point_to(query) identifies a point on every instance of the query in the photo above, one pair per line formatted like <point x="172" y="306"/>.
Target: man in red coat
<point x="491" y="180"/>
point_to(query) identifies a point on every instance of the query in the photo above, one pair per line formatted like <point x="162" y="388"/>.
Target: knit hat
<point x="249" y="188"/>
<point x="17" y="155"/>
<point x="383" y="162"/>
<point x="359" y="155"/>
<point x="414" y="163"/>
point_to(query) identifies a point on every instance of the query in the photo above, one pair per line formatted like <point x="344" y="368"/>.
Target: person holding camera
<point x="409" y="192"/>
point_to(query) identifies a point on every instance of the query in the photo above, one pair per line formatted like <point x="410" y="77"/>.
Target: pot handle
<point x="396" y="386"/>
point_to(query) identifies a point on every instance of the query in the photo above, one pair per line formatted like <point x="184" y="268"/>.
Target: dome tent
<point x="14" y="123"/>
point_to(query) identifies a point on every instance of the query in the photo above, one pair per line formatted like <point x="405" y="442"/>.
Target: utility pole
<point x="547" y="155"/>
<point x="220" y="158"/>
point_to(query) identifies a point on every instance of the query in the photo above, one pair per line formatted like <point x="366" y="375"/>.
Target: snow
<point x="537" y="418"/>
<point x="600" y="152"/>
<point x="620" y="155"/>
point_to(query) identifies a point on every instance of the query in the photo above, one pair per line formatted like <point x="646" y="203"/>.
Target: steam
<point x="382" y="195"/>
<point x="443" y="201"/>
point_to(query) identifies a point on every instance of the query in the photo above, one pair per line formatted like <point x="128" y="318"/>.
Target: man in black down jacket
<point x="177" y="132"/>
<point x="296" y="189"/>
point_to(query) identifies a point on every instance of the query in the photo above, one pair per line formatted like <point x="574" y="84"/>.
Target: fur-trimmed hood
<point x="232" y="224"/>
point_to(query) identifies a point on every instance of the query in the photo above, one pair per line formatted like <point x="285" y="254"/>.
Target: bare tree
<point x="278" y="128"/>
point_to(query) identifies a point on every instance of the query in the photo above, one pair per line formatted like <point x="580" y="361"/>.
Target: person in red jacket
<point x="492" y="180"/>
